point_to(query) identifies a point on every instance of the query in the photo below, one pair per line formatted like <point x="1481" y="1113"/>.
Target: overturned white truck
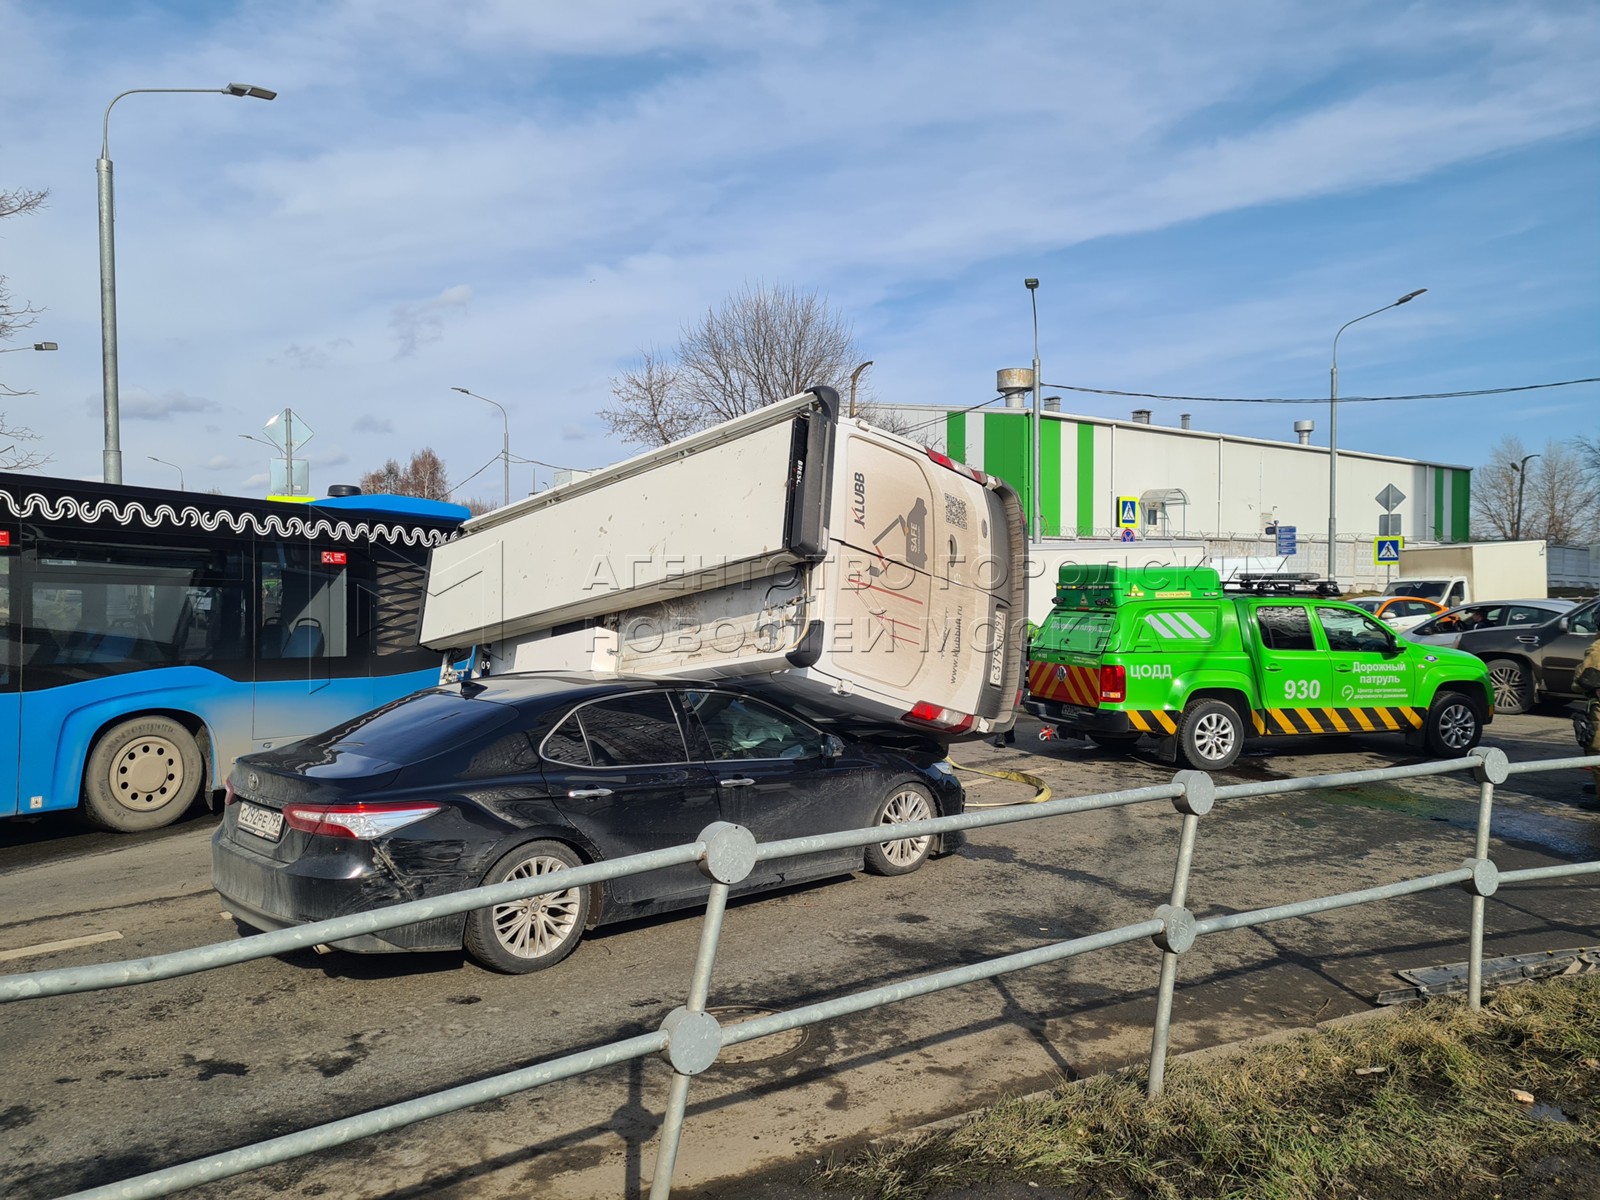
<point x="855" y="571"/>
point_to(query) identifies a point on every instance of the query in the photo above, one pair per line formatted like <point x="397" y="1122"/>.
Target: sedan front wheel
<point x="907" y="802"/>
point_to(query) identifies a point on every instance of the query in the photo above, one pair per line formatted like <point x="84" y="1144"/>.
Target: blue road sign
<point x="1286" y="540"/>
<point x="1386" y="549"/>
<point x="1127" y="511"/>
<point x="1127" y="535"/>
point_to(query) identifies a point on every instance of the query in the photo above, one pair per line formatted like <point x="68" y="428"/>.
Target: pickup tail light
<point x="361" y="821"/>
<point x="931" y="716"/>
<point x="1113" y="684"/>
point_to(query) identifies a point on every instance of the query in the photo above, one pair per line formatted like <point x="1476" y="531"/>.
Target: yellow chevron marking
<point x="1387" y="719"/>
<point x="1414" y="715"/>
<point x="1334" y="715"/>
<point x="1277" y="715"/>
<point x="1255" y="717"/>
<point x="1363" y="720"/>
<point x="1167" y="722"/>
<point x="1311" y="722"/>
<point x="1139" y="722"/>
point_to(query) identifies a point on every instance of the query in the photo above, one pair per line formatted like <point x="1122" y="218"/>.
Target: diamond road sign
<point x="1391" y="498"/>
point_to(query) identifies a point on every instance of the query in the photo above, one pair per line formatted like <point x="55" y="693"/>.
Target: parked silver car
<point x="1532" y="647"/>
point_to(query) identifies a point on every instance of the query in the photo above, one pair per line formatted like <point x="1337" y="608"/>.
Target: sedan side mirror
<point x="832" y="746"/>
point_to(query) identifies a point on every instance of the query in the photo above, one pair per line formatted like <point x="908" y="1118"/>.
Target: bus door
<point x="311" y="669"/>
<point x="10" y="694"/>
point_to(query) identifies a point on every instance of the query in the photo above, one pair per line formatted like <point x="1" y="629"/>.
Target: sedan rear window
<point x="417" y="727"/>
<point x="638" y="730"/>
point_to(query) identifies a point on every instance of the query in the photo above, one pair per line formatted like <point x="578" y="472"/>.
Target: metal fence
<point x="690" y="1038"/>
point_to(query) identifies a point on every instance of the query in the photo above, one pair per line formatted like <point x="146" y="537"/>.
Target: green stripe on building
<point x="1460" y="506"/>
<point x="1085" y="479"/>
<point x="1050" y="477"/>
<point x="1008" y="453"/>
<point x="955" y="436"/>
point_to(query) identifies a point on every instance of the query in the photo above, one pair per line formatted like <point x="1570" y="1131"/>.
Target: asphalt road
<point x="105" y="1085"/>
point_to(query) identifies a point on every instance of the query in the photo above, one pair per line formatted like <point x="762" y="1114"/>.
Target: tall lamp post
<point x="1038" y="506"/>
<point x="174" y="466"/>
<point x="1333" y="429"/>
<point x="1522" y="478"/>
<point x="505" y="444"/>
<point x="108" y="268"/>
<point x="855" y="375"/>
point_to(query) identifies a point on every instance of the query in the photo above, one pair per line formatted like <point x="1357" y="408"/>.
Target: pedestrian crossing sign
<point x="1127" y="511"/>
<point x="1386" y="550"/>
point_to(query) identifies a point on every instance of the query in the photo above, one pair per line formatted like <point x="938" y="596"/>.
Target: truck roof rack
<point x="1281" y="583"/>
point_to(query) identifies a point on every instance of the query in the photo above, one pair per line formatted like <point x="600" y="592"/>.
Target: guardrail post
<point x="694" y="1038"/>
<point x="1177" y="934"/>
<point x="1490" y="770"/>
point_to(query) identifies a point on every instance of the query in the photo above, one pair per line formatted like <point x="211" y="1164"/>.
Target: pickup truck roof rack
<point x="1281" y="583"/>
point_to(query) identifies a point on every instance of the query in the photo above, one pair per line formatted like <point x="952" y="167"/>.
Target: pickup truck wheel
<point x="1453" y="726"/>
<point x="1512" y="694"/>
<point x="1211" y="736"/>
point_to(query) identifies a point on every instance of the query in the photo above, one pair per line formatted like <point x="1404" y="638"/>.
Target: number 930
<point x="1302" y="689"/>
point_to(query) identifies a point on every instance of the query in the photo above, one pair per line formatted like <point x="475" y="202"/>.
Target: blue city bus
<point x="150" y="637"/>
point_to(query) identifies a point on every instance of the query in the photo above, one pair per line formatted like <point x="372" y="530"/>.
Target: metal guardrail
<point x="691" y="1038"/>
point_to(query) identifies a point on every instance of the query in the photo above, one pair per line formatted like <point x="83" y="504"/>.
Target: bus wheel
<point x="142" y="774"/>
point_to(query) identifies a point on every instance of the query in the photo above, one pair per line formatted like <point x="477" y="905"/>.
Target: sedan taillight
<point x="363" y="821"/>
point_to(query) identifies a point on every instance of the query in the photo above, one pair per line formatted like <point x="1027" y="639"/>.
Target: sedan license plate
<point x="263" y="822"/>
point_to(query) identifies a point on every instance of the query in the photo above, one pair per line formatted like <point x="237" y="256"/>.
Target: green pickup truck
<point x="1164" y="652"/>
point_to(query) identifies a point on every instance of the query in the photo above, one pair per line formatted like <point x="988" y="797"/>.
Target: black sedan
<point x="521" y="775"/>
<point x="1532" y="647"/>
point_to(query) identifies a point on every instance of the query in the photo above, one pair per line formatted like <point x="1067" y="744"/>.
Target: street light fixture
<point x="505" y="444"/>
<point x="35" y="346"/>
<point x="108" y="268"/>
<point x="1333" y="429"/>
<point x="174" y="466"/>
<point x="1522" y="478"/>
<point x="1038" y="505"/>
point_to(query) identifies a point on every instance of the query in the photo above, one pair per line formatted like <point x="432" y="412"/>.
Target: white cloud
<point x="414" y="325"/>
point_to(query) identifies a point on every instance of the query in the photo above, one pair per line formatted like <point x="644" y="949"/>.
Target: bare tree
<point x="423" y="476"/>
<point x="1559" y="499"/>
<point x="16" y="316"/>
<point x="763" y="344"/>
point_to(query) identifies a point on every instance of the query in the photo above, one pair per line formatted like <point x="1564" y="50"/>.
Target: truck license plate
<point x="263" y="822"/>
<point x="997" y="661"/>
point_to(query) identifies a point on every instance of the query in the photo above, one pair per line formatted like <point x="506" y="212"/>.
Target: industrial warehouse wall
<point x="1236" y="487"/>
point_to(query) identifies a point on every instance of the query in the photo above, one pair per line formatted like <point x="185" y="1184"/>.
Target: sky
<point x="518" y="198"/>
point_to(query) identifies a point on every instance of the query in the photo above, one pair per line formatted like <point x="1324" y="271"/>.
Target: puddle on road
<point x="1560" y="837"/>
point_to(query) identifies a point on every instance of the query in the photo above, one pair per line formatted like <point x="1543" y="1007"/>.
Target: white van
<point x="862" y="572"/>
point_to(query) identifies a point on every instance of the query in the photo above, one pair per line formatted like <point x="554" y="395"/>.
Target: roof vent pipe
<point x="1141" y="416"/>
<point x="1183" y="421"/>
<point x="1051" y="403"/>
<point x="1302" y="431"/>
<point x="1014" y="383"/>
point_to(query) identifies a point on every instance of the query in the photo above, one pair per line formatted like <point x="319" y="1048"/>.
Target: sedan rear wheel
<point x="531" y="934"/>
<point x="1512" y="695"/>
<point x="907" y="802"/>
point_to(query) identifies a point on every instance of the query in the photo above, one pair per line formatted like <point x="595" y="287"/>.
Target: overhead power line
<point x="1526" y="387"/>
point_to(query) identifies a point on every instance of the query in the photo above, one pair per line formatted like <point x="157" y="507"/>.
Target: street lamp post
<point x="174" y="466"/>
<point x="855" y="375"/>
<point x="1333" y="429"/>
<point x="1038" y="505"/>
<point x="108" y="269"/>
<point x="35" y="346"/>
<point x="1522" y="478"/>
<point x="505" y="443"/>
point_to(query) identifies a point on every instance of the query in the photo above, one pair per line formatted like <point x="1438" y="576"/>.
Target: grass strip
<point x="1424" y="1104"/>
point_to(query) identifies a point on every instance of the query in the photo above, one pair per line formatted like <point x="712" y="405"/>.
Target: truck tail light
<point x="944" y="460"/>
<point x="1113" y="684"/>
<point x="362" y="821"/>
<point x="934" y="717"/>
